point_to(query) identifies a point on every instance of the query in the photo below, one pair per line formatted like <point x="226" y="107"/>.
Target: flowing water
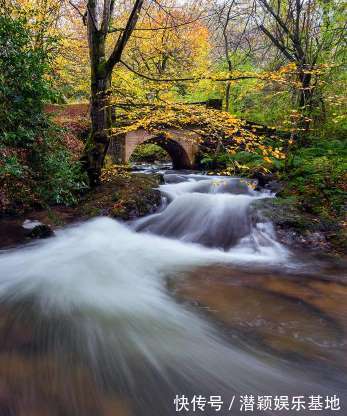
<point x="200" y="298"/>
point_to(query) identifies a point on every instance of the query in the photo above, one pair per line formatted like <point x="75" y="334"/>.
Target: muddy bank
<point x="125" y="196"/>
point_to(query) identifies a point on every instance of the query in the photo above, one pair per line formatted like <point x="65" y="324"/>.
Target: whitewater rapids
<point x="107" y="284"/>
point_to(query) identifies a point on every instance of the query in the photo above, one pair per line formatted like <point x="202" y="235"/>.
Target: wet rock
<point x="267" y="181"/>
<point x="31" y="224"/>
<point x="160" y="178"/>
<point x="274" y="186"/>
<point x="282" y="314"/>
<point x="41" y="231"/>
<point x="293" y="227"/>
<point x="36" y="229"/>
<point x="125" y="197"/>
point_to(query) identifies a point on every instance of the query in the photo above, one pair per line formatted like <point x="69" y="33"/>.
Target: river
<point x="198" y="299"/>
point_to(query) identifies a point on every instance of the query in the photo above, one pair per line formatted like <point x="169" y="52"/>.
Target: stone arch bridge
<point x="181" y="145"/>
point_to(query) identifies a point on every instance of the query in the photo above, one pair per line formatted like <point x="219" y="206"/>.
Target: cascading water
<point x="98" y="296"/>
<point x="215" y="212"/>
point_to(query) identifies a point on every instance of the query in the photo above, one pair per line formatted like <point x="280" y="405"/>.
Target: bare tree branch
<point x="124" y="37"/>
<point x="149" y="78"/>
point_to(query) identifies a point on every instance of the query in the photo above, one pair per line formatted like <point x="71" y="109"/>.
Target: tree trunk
<point x="99" y="139"/>
<point x="305" y="92"/>
<point x="305" y="99"/>
<point x="228" y="86"/>
<point x="100" y="110"/>
<point x="227" y="96"/>
<point x="101" y="74"/>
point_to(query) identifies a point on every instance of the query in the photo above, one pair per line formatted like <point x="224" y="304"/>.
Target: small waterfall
<point x="214" y="212"/>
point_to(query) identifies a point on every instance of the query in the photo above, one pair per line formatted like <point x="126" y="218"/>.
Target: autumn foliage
<point x="277" y="67"/>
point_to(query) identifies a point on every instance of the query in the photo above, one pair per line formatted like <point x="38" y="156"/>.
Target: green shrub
<point x="10" y="165"/>
<point x="317" y="177"/>
<point x="241" y="163"/>
<point x="59" y="178"/>
<point x="23" y="84"/>
<point x="35" y="165"/>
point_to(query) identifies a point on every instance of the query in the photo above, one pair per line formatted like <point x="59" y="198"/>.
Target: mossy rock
<point x="283" y="212"/>
<point x="297" y="228"/>
<point x="41" y="231"/>
<point x="125" y="197"/>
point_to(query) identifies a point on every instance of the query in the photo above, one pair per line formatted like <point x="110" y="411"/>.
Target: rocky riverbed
<point x="128" y="196"/>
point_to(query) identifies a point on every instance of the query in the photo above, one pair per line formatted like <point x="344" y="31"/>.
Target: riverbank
<point x="126" y="196"/>
<point x="121" y="195"/>
<point x="302" y="230"/>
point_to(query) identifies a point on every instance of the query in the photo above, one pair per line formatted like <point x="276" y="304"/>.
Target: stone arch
<point x="177" y="153"/>
<point x="179" y="144"/>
